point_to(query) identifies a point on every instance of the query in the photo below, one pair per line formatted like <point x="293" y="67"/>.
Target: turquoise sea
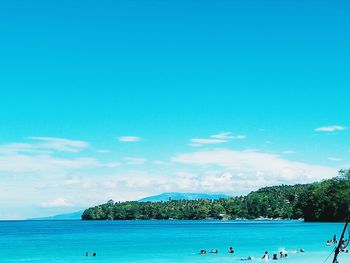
<point x="163" y="241"/>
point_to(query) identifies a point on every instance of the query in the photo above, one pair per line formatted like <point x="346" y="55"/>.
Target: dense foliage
<point x="328" y="200"/>
<point x="325" y="201"/>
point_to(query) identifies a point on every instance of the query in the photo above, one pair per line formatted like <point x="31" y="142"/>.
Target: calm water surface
<point x="162" y="241"/>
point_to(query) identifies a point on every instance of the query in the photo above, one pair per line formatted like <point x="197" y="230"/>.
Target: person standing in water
<point x="281" y="254"/>
<point x="231" y="251"/>
<point x="265" y="256"/>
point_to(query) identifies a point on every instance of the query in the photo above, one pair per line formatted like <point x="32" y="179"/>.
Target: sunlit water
<point x="163" y="241"/>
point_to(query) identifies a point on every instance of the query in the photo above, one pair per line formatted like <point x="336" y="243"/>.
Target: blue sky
<point x="132" y="98"/>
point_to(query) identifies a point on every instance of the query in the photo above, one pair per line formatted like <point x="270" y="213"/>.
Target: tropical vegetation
<point x="328" y="200"/>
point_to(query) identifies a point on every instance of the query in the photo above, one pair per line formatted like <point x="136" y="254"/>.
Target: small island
<point x="326" y="201"/>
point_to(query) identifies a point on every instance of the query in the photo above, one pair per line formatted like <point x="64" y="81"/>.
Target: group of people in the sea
<point x="343" y="245"/>
<point x="281" y="255"/>
<point x="215" y="251"/>
<point x="332" y="241"/>
<point x="87" y="254"/>
<point x="266" y="257"/>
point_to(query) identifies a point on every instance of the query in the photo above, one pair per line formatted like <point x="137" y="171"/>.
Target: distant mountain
<point x="156" y="198"/>
<point x="182" y="196"/>
<point x="69" y="216"/>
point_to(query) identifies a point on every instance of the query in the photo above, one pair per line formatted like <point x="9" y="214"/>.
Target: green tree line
<point x="324" y="201"/>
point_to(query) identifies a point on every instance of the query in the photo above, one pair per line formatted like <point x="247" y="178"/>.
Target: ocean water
<point x="163" y="241"/>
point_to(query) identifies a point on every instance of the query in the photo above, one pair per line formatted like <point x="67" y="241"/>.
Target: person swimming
<point x="265" y="256"/>
<point x="335" y="241"/>
<point x="203" y="252"/>
<point x="231" y="251"/>
<point x="248" y="258"/>
<point x="214" y="251"/>
<point x="302" y="250"/>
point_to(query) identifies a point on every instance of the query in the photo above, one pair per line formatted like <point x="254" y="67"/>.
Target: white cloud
<point x="186" y="174"/>
<point x="223" y="136"/>
<point x="129" y="139"/>
<point x="43" y="164"/>
<point x="111" y="164"/>
<point x="44" y="145"/>
<point x="103" y="151"/>
<point x="215" y="139"/>
<point x="51" y="170"/>
<point x="40" y="157"/>
<point x="72" y="181"/>
<point x="207" y="141"/>
<point x="134" y="160"/>
<point x="228" y="136"/>
<point x="58" y="202"/>
<point x="223" y="182"/>
<point x="159" y="162"/>
<point x="239" y="137"/>
<point x="23" y="148"/>
<point x="335" y="159"/>
<point x="289" y="152"/>
<point x="60" y="144"/>
<point x="330" y="128"/>
<point x="195" y="145"/>
<point x="251" y="163"/>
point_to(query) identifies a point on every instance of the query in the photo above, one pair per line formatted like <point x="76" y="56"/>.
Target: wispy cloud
<point x="195" y="145"/>
<point x="331" y="128"/>
<point x="22" y="148"/>
<point x="228" y="136"/>
<point x="44" y="156"/>
<point x="215" y="139"/>
<point x="72" y="181"/>
<point x="60" y="144"/>
<point x="103" y="151"/>
<point x="52" y="167"/>
<point x="159" y="162"/>
<point x="58" y="202"/>
<point x="44" y="164"/>
<point x="129" y="139"/>
<point x="254" y="162"/>
<point x="44" y="145"/>
<point x="134" y="160"/>
<point x="289" y="152"/>
<point x="335" y="159"/>
<point x="239" y="137"/>
<point x="207" y="141"/>
<point x="223" y="136"/>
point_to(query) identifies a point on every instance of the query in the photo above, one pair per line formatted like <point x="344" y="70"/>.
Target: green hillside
<point x="324" y="201"/>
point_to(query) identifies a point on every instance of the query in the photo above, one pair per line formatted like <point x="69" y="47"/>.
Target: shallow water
<point x="163" y="241"/>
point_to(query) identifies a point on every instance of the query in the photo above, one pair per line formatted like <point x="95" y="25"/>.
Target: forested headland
<point x="328" y="200"/>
